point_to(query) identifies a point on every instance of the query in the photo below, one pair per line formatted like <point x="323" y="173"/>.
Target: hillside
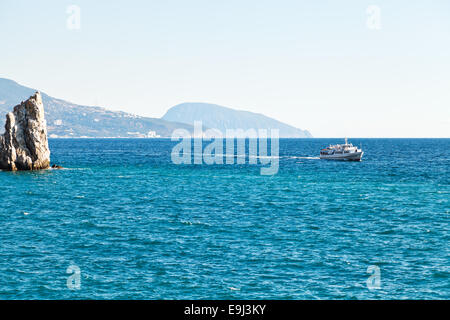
<point x="66" y="119"/>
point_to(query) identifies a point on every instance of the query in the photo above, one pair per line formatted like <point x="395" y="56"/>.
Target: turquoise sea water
<point x="140" y="227"/>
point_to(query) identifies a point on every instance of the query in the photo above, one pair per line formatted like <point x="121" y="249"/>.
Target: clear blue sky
<point x="313" y="64"/>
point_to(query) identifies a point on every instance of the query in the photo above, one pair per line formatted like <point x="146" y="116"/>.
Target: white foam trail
<point x="239" y="156"/>
<point x="308" y="158"/>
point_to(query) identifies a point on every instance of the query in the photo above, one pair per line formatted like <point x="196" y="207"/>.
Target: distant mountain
<point x="66" y="119"/>
<point x="70" y="120"/>
<point x="222" y="118"/>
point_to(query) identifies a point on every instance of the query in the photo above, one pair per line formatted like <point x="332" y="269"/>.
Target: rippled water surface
<point x="140" y="227"/>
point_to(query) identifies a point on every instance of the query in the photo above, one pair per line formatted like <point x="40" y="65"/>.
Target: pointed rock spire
<point x="24" y="145"/>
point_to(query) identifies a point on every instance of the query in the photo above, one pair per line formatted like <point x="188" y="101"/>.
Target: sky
<point x="359" y="68"/>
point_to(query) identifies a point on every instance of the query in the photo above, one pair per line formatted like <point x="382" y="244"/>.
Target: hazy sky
<point x="336" y="68"/>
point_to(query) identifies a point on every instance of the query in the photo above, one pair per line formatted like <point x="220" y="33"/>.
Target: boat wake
<point x="307" y="158"/>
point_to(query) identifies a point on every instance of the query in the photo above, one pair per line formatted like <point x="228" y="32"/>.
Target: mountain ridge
<point x="70" y="120"/>
<point x="223" y="118"/>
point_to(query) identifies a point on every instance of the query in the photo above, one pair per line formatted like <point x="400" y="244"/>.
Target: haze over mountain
<point x="70" y="120"/>
<point x="222" y="118"/>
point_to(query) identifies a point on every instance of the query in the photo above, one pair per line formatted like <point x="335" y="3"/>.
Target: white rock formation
<point x="24" y="145"/>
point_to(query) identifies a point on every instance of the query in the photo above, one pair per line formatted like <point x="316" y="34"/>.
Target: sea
<point x="123" y="221"/>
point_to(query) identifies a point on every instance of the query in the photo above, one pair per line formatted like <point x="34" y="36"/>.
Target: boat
<point x="344" y="151"/>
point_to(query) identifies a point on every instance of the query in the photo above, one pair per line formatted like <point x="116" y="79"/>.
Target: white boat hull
<point x="353" y="156"/>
